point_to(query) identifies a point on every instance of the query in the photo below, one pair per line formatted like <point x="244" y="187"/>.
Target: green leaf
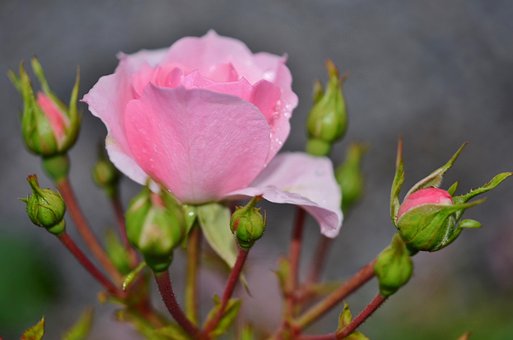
<point x="397" y="183"/>
<point x="130" y="277"/>
<point x="230" y="314"/>
<point x="435" y="178"/>
<point x="117" y="252"/>
<point x="344" y="318"/>
<point x="81" y="328"/>
<point x="356" y="336"/>
<point x="247" y="333"/>
<point x="35" y="332"/>
<point x="171" y="332"/>
<point x="494" y="182"/>
<point x="214" y="220"/>
<point x="282" y="273"/>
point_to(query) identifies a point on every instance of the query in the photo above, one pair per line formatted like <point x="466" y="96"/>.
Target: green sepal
<point x="393" y="267"/>
<point x="431" y="227"/>
<point x="230" y="314"/>
<point x="117" y="252"/>
<point x="397" y="183"/>
<point x="247" y="333"/>
<point x="35" y="332"/>
<point x="492" y="184"/>
<point x="81" y="329"/>
<point x="469" y="224"/>
<point x="214" y="220"/>
<point x="434" y="179"/>
<point x="247" y="223"/>
<point x="191" y="217"/>
<point x="452" y="189"/>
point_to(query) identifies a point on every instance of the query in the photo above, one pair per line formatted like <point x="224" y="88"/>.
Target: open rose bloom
<point x="206" y="118"/>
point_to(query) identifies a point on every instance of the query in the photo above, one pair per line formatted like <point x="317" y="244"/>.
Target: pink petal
<point x="107" y="100"/>
<point x="205" y="53"/>
<point x="300" y="179"/>
<point x="58" y="120"/>
<point x="423" y="197"/>
<point x="199" y="144"/>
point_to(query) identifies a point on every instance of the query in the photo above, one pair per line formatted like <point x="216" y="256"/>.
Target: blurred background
<point x="437" y="73"/>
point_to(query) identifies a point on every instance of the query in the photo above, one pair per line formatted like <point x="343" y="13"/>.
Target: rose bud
<point x="327" y="120"/>
<point x="393" y="267"/>
<point x="248" y="224"/>
<point x="49" y="127"/>
<point x="105" y="174"/>
<point x="155" y="226"/>
<point x="45" y="207"/>
<point x="349" y="176"/>
<point x="429" y="218"/>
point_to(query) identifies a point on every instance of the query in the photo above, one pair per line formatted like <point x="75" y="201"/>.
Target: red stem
<point x="68" y="242"/>
<point x="354" y="324"/>
<point x="83" y="228"/>
<point x="359" y="279"/>
<point x="228" y="290"/>
<point x="120" y="217"/>
<point x="319" y="260"/>
<point x="168" y="296"/>
<point x="294" y="257"/>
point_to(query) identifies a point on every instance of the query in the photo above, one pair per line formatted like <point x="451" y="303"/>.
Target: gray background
<point x="436" y="72"/>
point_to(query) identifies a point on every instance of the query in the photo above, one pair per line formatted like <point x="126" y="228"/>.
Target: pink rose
<point x="423" y="197"/>
<point x="206" y="118"/>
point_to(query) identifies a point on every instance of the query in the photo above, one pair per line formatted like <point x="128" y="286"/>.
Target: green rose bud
<point x="49" y="127"/>
<point x="106" y="175"/>
<point x="155" y="226"/>
<point x="45" y="207"/>
<point x="349" y="176"/>
<point x="248" y="224"/>
<point x="327" y="120"/>
<point x="429" y="218"/>
<point x="393" y="267"/>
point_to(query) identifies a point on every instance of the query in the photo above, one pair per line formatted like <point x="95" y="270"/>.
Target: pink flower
<point x="423" y="197"/>
<point x="58" y="120"/>
<point x="205" y="118"/>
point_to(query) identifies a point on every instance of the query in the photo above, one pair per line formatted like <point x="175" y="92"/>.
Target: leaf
<point x="282" y="273"/>
<point x="356" y="336"/>
<point x="247" y="333"/>
<point x="130" y="277"/>
<point x="172" y="332"/>
<point x="81" y="328"/>
<point x="230" y="314"/>
<point x="214" y="220"/>
<point x="435" y="178"/>
<point x="397" y="183"/>
<point x="117" y="252"/>
<point x="35" y="332"/>
<point x="494" y="182"/>
<point x="344" y="318"/>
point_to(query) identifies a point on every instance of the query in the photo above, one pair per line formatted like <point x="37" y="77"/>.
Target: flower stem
<point x="228" y="290"/>
<point x="319" y="259"/>
<point x="120" y="217"/>
<point x="330" y="301"/>
<point x="191" y="283"/>
<point x="294" y="257"/>
<point x="68" y="242"/>
<point x="85" y="231"/>
<point x="168" y="296"/>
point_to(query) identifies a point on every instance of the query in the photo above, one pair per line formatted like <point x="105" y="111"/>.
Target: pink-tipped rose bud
<point x="49" y="127"/>
<point x="423" y="197"/>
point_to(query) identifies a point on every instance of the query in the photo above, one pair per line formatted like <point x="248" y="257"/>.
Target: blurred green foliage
<point x="28" y="285"/>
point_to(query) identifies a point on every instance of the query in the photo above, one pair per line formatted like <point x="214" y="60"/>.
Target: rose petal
<point x="199" y="144"/>
<point x="300" y="179"/>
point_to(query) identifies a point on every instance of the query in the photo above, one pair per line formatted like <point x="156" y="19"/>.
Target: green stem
<point x="191" y="283"/>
